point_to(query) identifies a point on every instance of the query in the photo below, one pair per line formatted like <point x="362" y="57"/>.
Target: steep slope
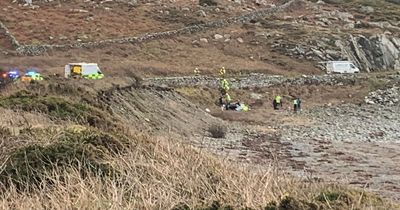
<point x="158" y="109"/>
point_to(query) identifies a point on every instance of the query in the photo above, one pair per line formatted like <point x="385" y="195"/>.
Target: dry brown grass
<point x="162" y="174"/>
<point x="156" y="174"/>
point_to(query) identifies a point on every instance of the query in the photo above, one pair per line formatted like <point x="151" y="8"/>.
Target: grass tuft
<point x="217" y="131"/>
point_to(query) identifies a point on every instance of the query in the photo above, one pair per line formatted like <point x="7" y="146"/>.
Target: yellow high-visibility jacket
<point x="224" y="84"/>
<point x="222" y="71"/>
<point x="278" y="99"/>
<point x="228" y="98"/>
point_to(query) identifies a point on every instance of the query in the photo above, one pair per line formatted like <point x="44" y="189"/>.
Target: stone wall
<point x="9" y="35"/>
<point x="261" y="80"/>
<point x="33" y="50"/>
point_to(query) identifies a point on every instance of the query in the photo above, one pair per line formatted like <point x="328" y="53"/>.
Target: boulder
<point x="208" y="2"/>
<point x="367" y="9"/>
<point x="349" y="26"/>
<point x="262" y="2"/>
<point x="218" y="36"/>
<point x="204" y="40"/>
<point x="78" y="10"/>
<point x="201" y="13"/>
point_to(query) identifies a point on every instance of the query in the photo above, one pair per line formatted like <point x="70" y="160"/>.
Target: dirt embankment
<point x="159" y="110"/>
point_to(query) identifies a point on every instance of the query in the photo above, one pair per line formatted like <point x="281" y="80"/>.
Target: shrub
<point x="217" y="131"/>
<point x="375" y="83"/>
<point x="87" y="150"/>
<point x="291" y="203"/>
<point x="330" y="196"/>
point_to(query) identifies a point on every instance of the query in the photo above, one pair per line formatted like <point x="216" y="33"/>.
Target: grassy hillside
<point x="74" y="164"/>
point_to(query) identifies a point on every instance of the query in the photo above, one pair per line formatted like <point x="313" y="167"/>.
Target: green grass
<point x="57" y="108"/>
<point x="86" y="149"/>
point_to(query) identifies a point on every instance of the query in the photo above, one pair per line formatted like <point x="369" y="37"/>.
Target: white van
<point x="84" y="70"/>
<point x="341" y="67"/>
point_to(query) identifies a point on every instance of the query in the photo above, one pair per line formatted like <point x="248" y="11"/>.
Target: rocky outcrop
<point x="388" y="97"/>
<point x="374" y="53"/>
<point x="33" y="50"/>
<point x="378" y="52"/>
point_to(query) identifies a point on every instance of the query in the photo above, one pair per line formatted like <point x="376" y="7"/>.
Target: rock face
<point x="374" y="53"/>
<point x="378" y="52"/>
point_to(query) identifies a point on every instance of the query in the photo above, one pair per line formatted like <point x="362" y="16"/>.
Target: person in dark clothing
<point x="298" y="104"/>
<point x="221" y="101"/>
<point x="232" y="106"/>
<point x="274" y="104"/>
